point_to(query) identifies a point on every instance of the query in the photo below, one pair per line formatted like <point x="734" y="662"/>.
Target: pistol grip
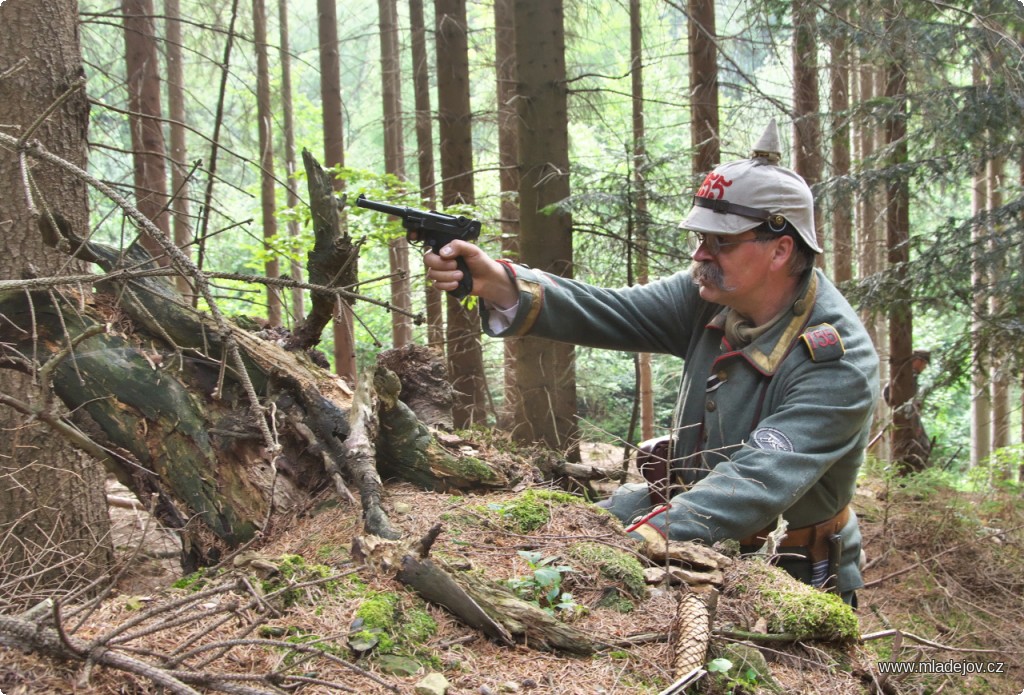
<point x="466" y="283"/>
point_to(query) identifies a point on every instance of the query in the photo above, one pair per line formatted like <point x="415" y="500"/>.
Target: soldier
<point x="780" y="378"/>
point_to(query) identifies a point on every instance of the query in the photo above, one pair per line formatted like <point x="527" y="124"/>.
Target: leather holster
<point x="652" y="460"/>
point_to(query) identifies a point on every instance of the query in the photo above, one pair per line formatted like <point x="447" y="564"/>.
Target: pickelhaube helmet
<point x="741" y="195"/>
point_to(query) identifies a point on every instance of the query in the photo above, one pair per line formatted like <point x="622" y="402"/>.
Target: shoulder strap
<point x="823" y="342"/>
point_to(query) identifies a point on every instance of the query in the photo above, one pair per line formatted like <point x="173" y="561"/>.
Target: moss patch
<point x="396" y="629"/>
<point x="532" y="509"/>
<point x="293" y="569"/>
<point x="615" y="565"/>
<point x="790" y="606"/>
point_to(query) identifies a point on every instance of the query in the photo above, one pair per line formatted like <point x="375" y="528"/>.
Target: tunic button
<point x="711" y="406"/>
<point x="723" y="375"/>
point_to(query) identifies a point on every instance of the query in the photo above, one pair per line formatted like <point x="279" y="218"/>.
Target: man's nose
<point x="701" y="254"/>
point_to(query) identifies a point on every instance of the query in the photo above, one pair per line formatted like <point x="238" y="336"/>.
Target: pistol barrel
<point x="364" y="202"/>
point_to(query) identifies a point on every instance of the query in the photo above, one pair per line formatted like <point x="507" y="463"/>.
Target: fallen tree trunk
<point x="474" y="599"/>
<point x="226" y="445"/>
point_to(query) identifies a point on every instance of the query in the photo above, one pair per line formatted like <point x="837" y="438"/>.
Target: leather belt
<point x="814" y="538"/>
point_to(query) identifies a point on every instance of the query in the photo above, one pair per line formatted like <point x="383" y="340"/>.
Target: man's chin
<point x="708" y="293"/>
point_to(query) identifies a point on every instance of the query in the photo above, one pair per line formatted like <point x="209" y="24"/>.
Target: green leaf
<point x="547" y="576"/>
<point x="531" y="556"/>
<point x="719" y="666"/>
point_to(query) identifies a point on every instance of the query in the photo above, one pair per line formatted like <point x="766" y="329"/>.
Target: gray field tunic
<point x="776" y="427"/>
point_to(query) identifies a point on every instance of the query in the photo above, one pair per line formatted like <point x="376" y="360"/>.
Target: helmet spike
<point x="768" y="146"/>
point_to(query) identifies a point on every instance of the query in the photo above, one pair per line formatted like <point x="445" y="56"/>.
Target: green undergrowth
<point x="530" y="510"/>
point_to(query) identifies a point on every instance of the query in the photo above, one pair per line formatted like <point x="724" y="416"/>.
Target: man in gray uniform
<point x="780" y="377"/>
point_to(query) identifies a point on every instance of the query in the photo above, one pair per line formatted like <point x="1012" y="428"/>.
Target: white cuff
<point x="498" y="320"/>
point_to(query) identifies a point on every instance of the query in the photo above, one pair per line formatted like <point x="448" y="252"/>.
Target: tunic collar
<point x="768" y="350"/>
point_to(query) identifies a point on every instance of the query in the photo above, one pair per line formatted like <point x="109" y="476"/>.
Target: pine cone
<point x="692" y="630"/>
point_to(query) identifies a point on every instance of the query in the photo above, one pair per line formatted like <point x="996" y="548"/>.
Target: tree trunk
<point x="806" y="105"/>
<point x="425" y="156"/>
<point x="645" y="389"/>
<point x="869" y="244"/>
<point x="288" y="116"/>
<point x="264" y="116"/>
<point x="167" y="407"/>
<point x="546" y="376"/>
<point x="897" y="221"/>
<point x="508" y="178"/>
<point x="465" y="356"/>
<point x="703" y="85"/>
<point x="841" y="202"/>
<point x="981" y="398"/>
<point x="182" y="224"/>
<point x="52" y="506"/>
<point x="999" y="359"/>
<point x="334" y="156"/>
<point x="218" y="123"/>
<point x="143" y="82"/>
<point x="394" y="163"/>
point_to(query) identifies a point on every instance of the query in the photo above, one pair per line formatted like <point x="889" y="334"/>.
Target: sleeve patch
<point x="771" y="439"/>
<point x="824" y="343"/>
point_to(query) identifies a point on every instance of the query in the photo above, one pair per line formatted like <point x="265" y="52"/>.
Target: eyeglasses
<point x="713" y="242"/>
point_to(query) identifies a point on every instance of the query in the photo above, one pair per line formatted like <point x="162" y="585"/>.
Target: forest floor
<point x="944" y="597"/>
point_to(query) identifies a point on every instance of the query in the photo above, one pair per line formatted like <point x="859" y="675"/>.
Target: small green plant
<point x="732" y="679"/>
<point x="543" y="587"/>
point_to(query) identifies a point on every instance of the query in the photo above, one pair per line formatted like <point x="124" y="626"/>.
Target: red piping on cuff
<point x="650" y="515"/>
<point x="509" y="266"/>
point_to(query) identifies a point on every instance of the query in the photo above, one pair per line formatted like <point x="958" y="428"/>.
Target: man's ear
<point x="784" y="250"/>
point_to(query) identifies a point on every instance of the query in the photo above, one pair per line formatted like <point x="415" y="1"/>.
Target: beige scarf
<point x="739" y="331"/>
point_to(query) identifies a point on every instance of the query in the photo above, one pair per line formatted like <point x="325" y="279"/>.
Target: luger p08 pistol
<point x="433" y="229"/>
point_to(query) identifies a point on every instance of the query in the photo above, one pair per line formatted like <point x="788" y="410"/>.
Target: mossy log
<point x="174" y="426"/>
<point x="409" y="450"/>
<point x="152" y="389"/>
<point x="472" y="598"/>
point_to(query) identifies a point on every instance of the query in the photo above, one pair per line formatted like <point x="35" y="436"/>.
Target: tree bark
<point x="645" y="389"/>
<point x="897" y="222"/>
<point x="465" y="356"/>
<point x="474" y="599"/>
<point x="841" y="202"/>
<point x="703" y="85"/>
<point x="809" y="162"/>
<point x="143" y="82"/>
<point x="871" y="249"/>
<point x="999" y="359"/>
<point x="52" y="507"/>
<point x="394" y="163"/>
<point x="333" y="260"/>
<point x="508" y="179"/>
<point x="546" y="373"/>
<point x="268" y="201"/>
<point x="182" y="224"/>
<point x="334" y="156"/>
<point x="288" y="116"/>
<point x="425" y="156"/>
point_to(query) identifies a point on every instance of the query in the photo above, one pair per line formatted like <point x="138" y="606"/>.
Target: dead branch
<point x="882" y="634"/>
<point x="189" y="666"/>
<point x="362" y="461"/>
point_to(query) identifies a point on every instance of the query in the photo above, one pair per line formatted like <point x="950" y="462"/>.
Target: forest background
<point x="578" y="143"/>
<point x="960" y="104"/>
